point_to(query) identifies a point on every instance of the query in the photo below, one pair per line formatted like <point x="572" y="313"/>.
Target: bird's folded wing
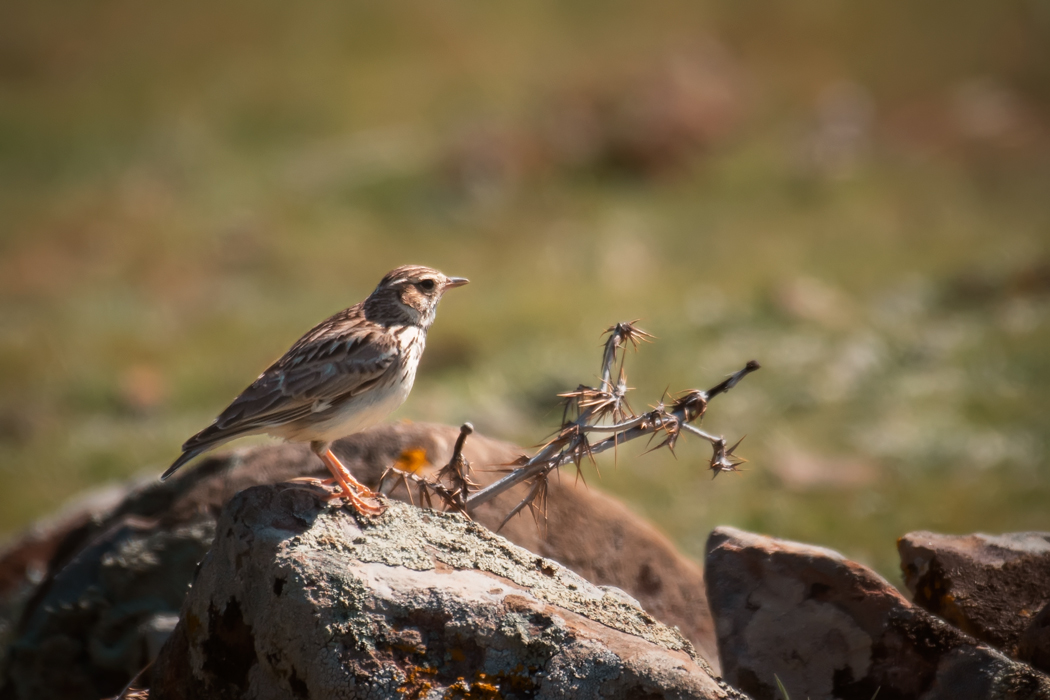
<point x="310" y="378"/>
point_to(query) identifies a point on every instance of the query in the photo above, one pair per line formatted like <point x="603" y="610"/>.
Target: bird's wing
<point x="318" y="372"/>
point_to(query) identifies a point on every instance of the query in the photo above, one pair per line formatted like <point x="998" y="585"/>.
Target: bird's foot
<point x="358" y="500"/>
<point x="353" y="491"/>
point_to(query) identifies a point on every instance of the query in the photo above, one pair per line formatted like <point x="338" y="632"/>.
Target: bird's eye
<point x="427" y="285"/>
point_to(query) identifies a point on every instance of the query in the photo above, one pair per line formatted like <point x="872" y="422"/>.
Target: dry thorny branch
<point x="588" y="411"/>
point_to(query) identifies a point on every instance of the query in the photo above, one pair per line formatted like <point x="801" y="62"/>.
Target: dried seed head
<point x="692" y="404"/>
<point x="624" y="332"/>
<point x="723" y="459"/>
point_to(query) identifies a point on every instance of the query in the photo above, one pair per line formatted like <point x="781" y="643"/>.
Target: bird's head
<point x="409" y="294"/>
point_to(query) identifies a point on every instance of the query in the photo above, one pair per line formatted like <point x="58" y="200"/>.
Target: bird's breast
<point x="369" y="407"/>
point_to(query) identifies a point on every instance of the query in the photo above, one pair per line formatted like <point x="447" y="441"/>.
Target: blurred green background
<point x="855" y="194"/>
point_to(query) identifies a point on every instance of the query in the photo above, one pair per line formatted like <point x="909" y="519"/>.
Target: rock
<point x="831" y="628"/>
<point x="587" y="531"/>
<point x="599" y="538"/>
<point x="24" y="560"/>
<point x="108" y="613"/>
<point x="593" y="534"/>
<point x="116" y="578"/>
<point x="991" y="587"/>
<point x="302" y="599"/>
<point x="1034" y="645"/>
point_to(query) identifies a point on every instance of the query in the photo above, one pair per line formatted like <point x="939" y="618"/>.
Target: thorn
<point x="736" y="445"/>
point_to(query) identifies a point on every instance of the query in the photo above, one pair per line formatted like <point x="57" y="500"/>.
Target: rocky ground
<point x="827" y="627"/>
<point x="295" y="597"/>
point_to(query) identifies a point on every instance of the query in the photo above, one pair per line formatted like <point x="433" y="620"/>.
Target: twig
<point x="456" y="473"/>
<point x="592" y="405"/>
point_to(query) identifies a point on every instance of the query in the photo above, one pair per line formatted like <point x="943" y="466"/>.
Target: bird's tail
<point x="183" y="459"/>
<point x="210" y="437"/>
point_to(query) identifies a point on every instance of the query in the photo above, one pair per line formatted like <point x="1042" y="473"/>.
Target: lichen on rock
<point x="299" y="598"/>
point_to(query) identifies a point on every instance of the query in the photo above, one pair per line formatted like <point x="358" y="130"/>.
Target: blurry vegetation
<point x="855" y="195"/>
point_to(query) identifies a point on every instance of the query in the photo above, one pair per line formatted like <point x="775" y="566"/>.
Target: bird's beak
<point x="455" y="282"/>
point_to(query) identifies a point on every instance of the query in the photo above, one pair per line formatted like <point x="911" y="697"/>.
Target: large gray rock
<point x="828" y="628"/>
<point x="990" y="586"/>
<point x="301" y="599"/>
<point x="587" y="531"/>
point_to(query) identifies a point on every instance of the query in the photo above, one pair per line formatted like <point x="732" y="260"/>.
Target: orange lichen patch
<point x="490" y="687"/>
<point x="412" y="460"/>
<point x="457" y="654"/>
<point x="478" y="690"/>
<point x="416" y="684"/>
<point x="517" y="680"/>
<point x="484" y="690"/>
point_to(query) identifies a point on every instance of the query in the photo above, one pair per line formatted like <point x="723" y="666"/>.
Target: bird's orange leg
<point x="352" y="490"/>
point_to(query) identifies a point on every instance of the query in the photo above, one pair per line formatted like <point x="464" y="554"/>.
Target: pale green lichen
<point x="424" y="540"/>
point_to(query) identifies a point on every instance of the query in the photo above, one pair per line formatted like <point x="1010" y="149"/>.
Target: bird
<point x="345" y="374"/>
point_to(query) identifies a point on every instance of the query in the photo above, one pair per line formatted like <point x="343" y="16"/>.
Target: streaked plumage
<point x="346" y="374"/>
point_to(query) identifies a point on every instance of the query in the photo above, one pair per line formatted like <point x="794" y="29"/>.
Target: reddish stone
<point x="829" y="628"/>
<point x="989" y="586"/>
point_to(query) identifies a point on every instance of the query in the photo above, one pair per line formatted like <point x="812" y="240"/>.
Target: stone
<point x="587" y="531"/>
<point x="98" y="621"/>
<point x="302" y="599"/>
<point x="24" y="560"/>
<point x="116" y="577"/>
<point x="1033" y="647"/>
<point x="989" y="586"/>
<point x="827" y="627"/>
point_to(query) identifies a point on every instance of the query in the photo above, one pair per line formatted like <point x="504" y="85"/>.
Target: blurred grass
<point x="185" y="189"/>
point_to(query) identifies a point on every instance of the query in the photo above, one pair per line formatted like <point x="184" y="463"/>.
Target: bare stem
<point x="457" y="474"/>
<point x="690" y="407"/>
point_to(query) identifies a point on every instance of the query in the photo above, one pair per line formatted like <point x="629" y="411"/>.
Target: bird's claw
<point x="358" y="502"/>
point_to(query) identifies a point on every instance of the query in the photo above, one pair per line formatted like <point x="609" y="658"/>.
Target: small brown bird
<point x="347" y="374"/>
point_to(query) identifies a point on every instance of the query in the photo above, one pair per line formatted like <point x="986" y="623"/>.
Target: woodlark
<point x="348" y="373"/>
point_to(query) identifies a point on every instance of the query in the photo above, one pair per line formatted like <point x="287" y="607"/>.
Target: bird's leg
<point x="352" y="490"/>
<point x="343" y="475"/>
<point x="340" y="474"/>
